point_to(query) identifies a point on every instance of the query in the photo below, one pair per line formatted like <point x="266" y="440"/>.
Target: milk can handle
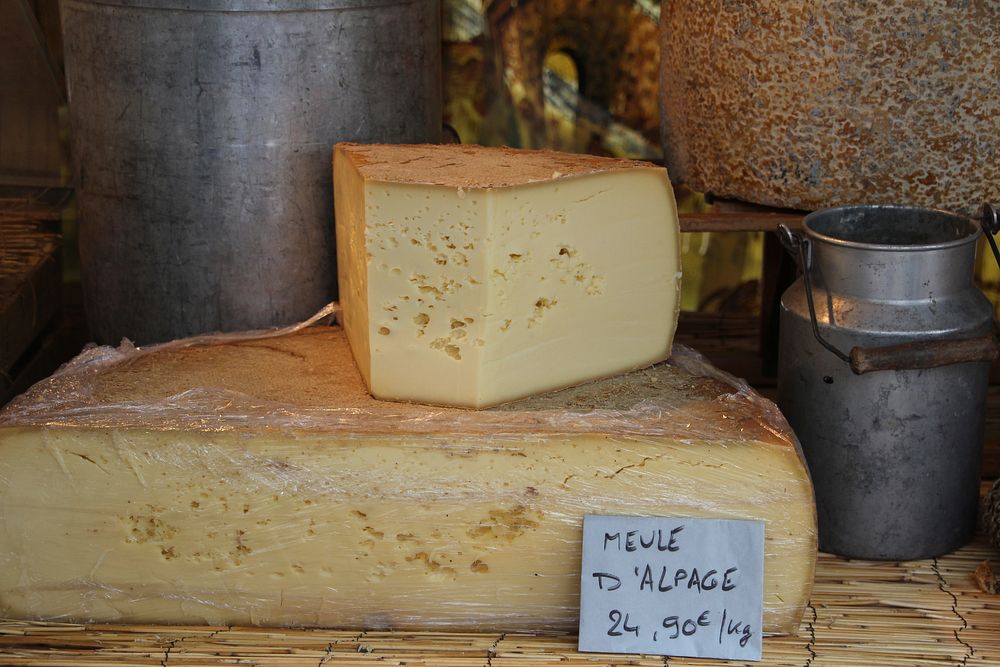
<point x="801" y="250"/>
<point x="904" y="356"/>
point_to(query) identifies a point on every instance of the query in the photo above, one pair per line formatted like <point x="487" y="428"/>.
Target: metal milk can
<point x="885" y="351"/>
<point x="202" y="135"/>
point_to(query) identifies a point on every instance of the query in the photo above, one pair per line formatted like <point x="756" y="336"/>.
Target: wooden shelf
<point x="738" y="222"/>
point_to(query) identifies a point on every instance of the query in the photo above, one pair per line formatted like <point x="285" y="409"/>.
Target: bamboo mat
<point x="862" y="614"/>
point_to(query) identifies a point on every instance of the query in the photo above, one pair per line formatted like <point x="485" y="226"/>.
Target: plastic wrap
<point x="250" y="479"/>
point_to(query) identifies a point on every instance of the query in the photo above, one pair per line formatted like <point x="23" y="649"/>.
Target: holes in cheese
<point x="257" y="482"/>
<point x="565" y="267"/>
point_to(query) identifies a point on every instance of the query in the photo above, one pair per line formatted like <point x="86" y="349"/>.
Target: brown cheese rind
<point x="474" y="167"/>
<point x="309" y="380"/>
<point x="818" y="104"/>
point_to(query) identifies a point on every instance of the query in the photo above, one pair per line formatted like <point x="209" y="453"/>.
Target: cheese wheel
<point x="241" y="481"/>
<point x="827" y="103"/>
<point x="501" y="273"/>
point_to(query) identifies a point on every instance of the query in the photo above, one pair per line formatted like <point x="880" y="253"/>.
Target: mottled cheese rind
<point x="257" y="482"/>
<point x="472" y="276"/>
<point x="810" y="105"/>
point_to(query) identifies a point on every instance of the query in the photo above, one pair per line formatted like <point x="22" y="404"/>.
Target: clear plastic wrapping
<point x="251" y="479"/>
<point x="118" y="387"/>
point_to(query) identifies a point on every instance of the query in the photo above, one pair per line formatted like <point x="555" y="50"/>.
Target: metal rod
<point x="799" y="246"/>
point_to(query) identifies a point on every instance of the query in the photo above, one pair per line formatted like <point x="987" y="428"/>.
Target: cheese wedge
<point x="257" y="482"/>
<point x="501" y="273"/>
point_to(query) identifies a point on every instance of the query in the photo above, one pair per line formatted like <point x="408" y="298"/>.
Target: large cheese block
<point x="501" y="273"/>
<point x="257" y="482"/>
<point x="825" y="103"/>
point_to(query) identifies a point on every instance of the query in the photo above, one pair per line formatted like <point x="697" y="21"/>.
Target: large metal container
<point x="202" y="134"/>
<point x="892" y="430"/>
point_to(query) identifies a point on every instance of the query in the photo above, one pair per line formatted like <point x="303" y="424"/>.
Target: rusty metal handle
<point x="935" y="353"/>
<point x="923" y="354"/>
<point x="903" y="356"/>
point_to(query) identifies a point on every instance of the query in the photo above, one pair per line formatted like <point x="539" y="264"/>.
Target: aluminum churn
<point x="884" y="359"/>
<point x="202" y="136"/>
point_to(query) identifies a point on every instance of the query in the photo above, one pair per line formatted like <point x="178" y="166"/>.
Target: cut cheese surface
<point x="256" y="482"/>
<point x="501" y="273"/>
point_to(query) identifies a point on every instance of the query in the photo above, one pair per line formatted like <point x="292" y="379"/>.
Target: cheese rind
<point x="256" y="482"/>
<point x="501" y="273"/>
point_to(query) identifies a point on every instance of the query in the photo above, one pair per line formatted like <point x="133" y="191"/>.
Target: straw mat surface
<point x="862" y="614"/>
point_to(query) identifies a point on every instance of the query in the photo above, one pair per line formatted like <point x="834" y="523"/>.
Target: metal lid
<point x="889" y="227"/>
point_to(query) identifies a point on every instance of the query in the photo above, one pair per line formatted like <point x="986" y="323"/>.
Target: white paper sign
<point x="672" y="586"/>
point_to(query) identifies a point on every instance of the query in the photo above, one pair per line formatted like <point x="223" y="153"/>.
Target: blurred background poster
<point x="582" y="76"/>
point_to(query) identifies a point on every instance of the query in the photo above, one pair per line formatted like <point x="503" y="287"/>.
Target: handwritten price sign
<point x="672" y="586"/>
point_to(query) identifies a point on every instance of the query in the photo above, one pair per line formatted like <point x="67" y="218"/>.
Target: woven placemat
<point x="862" y="614"/>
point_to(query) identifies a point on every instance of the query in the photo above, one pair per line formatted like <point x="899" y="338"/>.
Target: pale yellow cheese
<point x="472" y="276"/>
<point x="257" y="482"/>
